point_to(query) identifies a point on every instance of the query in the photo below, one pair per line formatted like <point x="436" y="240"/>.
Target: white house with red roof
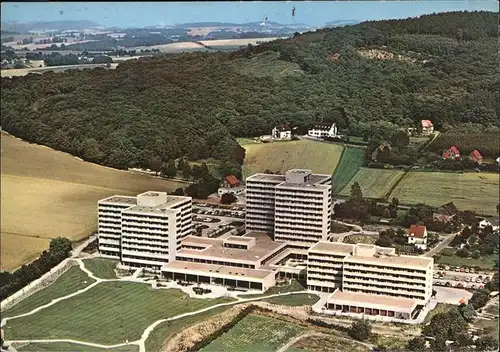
<point x="230" y="184"/>
<point x="451" y="153"/>
<point x="476" y="157"/>
<point x="417" y="235"/>
<point x="427" y="126"/>
<point x="282" y="131"/>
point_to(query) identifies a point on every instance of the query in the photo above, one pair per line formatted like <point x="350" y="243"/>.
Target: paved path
<point x="309" y="334"/>
<point x="440" y="246"/>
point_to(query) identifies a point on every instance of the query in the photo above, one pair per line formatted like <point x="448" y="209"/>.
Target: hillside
<point x="441" y="67"/>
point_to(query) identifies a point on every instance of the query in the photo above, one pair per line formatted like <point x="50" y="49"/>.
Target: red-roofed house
<point x="427" y="126"/>
<point x="230" y="184"/>
<point x="451" y="153"/>
<point x="417" y="235"/>
<point x="476" y="157"/>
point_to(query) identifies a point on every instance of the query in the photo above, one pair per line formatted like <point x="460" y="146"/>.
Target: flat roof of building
<point x="241" y="239"/>
<point x="120" y="200"/>
<point x="164" y="208"/>
<point x="267" y="178"/>
<point x="369" y="300"/>
<point x="331" y="247"/>
<point x="392" y="260"/>
<point x="211" y="269"/>
<point x="215" y="250"/>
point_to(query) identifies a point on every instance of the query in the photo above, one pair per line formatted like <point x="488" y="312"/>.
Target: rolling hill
<point x="441" y="67"/>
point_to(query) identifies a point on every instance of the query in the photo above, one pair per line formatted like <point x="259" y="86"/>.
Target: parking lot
<point x="213" y="221"/>
<point x="467" y="278"/>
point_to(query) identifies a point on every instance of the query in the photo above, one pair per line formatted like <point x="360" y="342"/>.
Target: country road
<point x="442" y="245"/>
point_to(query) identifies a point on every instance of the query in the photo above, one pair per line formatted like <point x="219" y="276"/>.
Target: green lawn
<point x="71" y="281"/>
<point x="301" y="299"/>
<point x="73" y="347"/>
<point x="101" y="267"/>
<point x="375" y="183"/>
<point x="292" y="287"/>
<point x="108" y="313"/>
<point x="440" y="308"/>
<point x="351" y="161"/>
<point x="255" y="333"/>
<point x="166" y="330"/>
<point x="486" y="262"/>
<point x="474" y="191"/>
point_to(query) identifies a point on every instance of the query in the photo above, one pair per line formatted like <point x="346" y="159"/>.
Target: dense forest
<point x="442" y="67"/>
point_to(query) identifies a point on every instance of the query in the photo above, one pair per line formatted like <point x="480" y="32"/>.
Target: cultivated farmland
<point x="125" y="308"/>
<point x="73" y="347"/>
<point x="255" y="333"/>
<point x="350" y="163"/>
<point x="282" y="156"/>
<point x="47" y="193"/>
<point x="375" y="183"/>
<point x="468" y="191"/>
<point x="326" y="344"/>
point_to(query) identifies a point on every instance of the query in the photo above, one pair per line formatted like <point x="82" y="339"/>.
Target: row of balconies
<point x="383" y="282"/>
<point x="402" y="291"/>
<point x="378" y="268"/>
<point x="383" y="275"/>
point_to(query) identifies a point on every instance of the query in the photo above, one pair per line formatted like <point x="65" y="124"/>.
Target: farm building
<point x="476" y="157"/>
<point x="323" y="129"/>
<point x="382" y="148"/>
<point x="417" y="235"/>
<point x="445" y="213"/>
<point x="283" y="132"/>
<point x="230" y="184"/>
<point x="427" y="126"/>
<point x="493" y="222"/>
<point x="451" y="153"/>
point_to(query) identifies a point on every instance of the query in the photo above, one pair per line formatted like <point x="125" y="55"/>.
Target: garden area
<point x="101" y="267"/>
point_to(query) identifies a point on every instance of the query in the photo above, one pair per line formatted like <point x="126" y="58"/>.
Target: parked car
<point x="467" y="270"/>
<point x="462" y="270"/>
<point x="467" y="279"/>
<point x="447" y="284"/>
<point x="436" y="276"/>
<point x="446" y="267"/>
<point x="479" y="280"/>
<point x="460" y="285"/>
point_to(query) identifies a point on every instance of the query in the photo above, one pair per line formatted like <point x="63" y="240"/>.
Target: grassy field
<point x="255" y="333"/>
<point x="266" y="64"/>
<point x="282" y="156"/>
<point x="487" y="262"/>
<point x="301" y="299"/>
<point x="351" y="161"/>
<point x="326" y="344"/>
<point x="354" y="239"/>
<point x="108" y="313"/>
<point x="46" y="194"/>
<point x="71" y="281"/>
<point x="375" y="183"/>
<point x="166" y="330"/>
<point x="101" y="267"/>
<point x="73" y="347"/>
<point x="468" y="191"/>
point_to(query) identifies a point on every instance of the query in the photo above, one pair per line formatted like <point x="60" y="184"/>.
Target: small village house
<point x="282" y="132"/>
<point x="383" y="147"/>
<point x="427" y="126"/>
<point x="451" y="153"/>
<point x="445" y="213"/>
<point x="417" y="235"/>
<point x="493" y="222"/>
<point x="323" y="129"/>
<point x="230" y="184"/>
<point x="476" y="157"/>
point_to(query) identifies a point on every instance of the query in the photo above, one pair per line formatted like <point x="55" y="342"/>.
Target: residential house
<point x="493" y="222"/>
<point x="476" y="157"/>
<point x="446" y="212"/>
<point x="498" y="160"/>
<point x="230" y="184"/>
<point x="282" y="132"/>
<point x="451" y="153"/>
<point x="384" y="147"/>
<point x="323" y="129"/>
<point x="427" y="126"/>
<point x="417" y="235"/>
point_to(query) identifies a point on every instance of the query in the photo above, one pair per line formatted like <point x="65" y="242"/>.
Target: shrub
<point x="463" y="253"/>
<point x="228" y="198"/>
<point x="360" y="330"/>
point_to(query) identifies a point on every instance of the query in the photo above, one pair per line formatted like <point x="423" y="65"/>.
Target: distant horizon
<point x="144" y="14"/>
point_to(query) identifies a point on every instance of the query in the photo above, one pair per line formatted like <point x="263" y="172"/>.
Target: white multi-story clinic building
<point x="295" y="207"/>
<point x="143" y="231"/>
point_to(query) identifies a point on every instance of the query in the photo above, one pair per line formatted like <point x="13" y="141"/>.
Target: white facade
<point x="280" y="133"/>
<point x="369" y="269"/>
<point x="237" y="191"/>
<point x="295" y="207"/>
<point x="150" y="231"/>
<point x="323" y="130"/>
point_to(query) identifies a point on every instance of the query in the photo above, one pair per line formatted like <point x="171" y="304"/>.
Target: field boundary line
<point x="74" y="342"/>
<point x="393" y="187"/>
